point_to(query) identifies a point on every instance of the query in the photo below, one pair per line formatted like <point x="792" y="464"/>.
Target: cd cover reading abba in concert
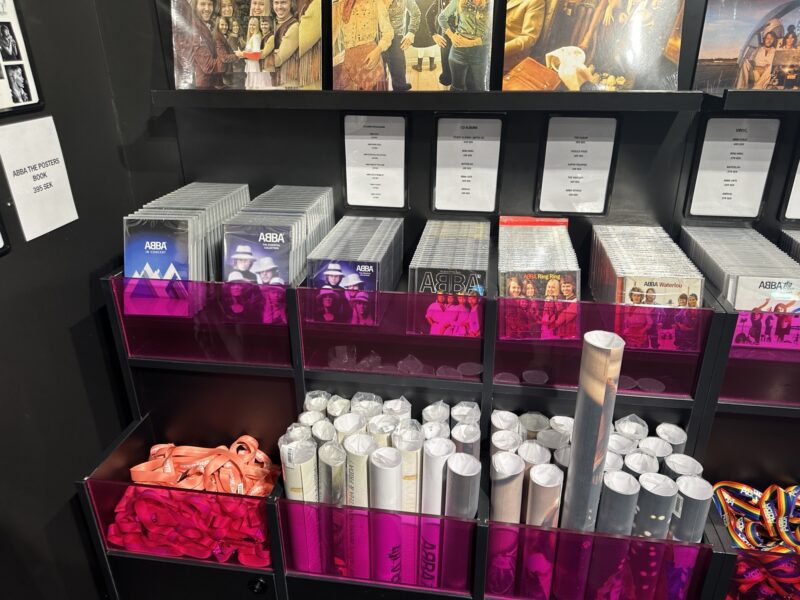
<point x="592" y="45"/>
<point x="412" y="45"/>
<point x="247" y="44"/>
<point x="749" y="45"/>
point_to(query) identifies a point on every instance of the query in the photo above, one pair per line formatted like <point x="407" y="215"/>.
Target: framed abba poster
<point x="19" y="89"/>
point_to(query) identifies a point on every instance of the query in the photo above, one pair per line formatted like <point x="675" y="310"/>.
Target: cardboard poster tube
<point x="337" y="406"/>
<point x="409" y="440"/>
<point x="436" y="429"/>
<point x="660" y="448"/>
<point x="385" y="528"/>
<point x="601" y="362"/>
<point x="504" y="420"/>
<point x="467" y="438"/>
<point x="465" y="412"/>
<point x="358" y="447"/>
<point x="349" y="424"/>
<point x="531" y="423"/>
<point x="614" y="462"/>
<point x="655" y="506"/>
<point x="619" y="444"/>
<point x="544" y="495"/>
<point x="309" y="417"/>
<point x="434" y="473"/>
<point x="676" y="465"/>
<point x="632" y="427"/>
<point x="316" y="400"/>
<point x="323" y="432"/>
<point x="552" y="439"/>
<point x="399" y="408"/>
<point x="463" y="486"/>
<point x="438" y="411"/>
<point x="381" y="429"/>
<point x="507" y="472"/>
<point x="691" y="509"/>
<point x="674" y="436"/>
<point x="639" y="462"/>
<point x="617" y="503"/>
<point x="504" y="440"/>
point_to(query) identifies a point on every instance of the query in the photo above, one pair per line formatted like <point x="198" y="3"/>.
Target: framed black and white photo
<point x="18" y="86"/>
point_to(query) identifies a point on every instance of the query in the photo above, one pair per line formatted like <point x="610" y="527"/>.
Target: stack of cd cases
<point x="634" y="264"/>
<point x="268" y="242"/>
<point x="536" y="259"/>
<point x="358" y="256"/>
<point x="179" y="236"/>
<point x="790" y="241"/>
<point x="750" y="271"/>
<point x="451" y="257"/>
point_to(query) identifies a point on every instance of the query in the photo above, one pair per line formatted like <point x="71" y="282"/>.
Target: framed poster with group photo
<point x="19" y="89"/>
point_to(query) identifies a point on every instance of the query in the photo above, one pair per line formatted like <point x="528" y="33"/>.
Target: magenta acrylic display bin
<point x="388" y="548"/>
<point x="760" y="575"/>
<point x="203" y="321"/>
<point x="764" y="360"/>
<point x="534" y="563"/>
<point x="395" y="338"/>
<point x="539" y="343"/>
<point x="172" y="522"/>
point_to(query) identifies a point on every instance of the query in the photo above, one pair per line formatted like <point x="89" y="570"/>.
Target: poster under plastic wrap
<point x="749" y="45"/>
<point x="411" y="45"/>
<point x="592" y="45"/>
<point x="254" y="45"/>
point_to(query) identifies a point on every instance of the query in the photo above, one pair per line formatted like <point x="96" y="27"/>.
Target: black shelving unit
<point x="432" y="101"/>
<point x="266" y="138"/>
<point x="121" y="567"/>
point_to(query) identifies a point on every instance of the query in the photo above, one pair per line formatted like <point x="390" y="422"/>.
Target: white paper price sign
<point x="733" y="169"/>
<point x="793" y="206"/>
<point x="577" y="164"/>
<point x="467" y="160"/>
<point x="34" y="166"/>
<point x="375" y="151"/>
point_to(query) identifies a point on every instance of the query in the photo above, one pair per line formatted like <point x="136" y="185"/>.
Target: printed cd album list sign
<point x="375" y="160"/>
<point x="467" y="160"/>
<point x="577" y="165"/>
<point x="733" y="169"/>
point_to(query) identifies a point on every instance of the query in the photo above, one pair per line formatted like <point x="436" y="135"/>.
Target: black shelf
<point x="308" y="585"/>
<point x="211" y="367"/>
<point x="762" y="101"/>
<point x="570" y="394"/>
<point x="438" y="101"/>
<point x="388" y="379"/>
<point x="758" y="409"/>
<point x="183" y="561"/>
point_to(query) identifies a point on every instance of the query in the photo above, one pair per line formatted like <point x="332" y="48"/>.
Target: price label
<point x="577" y="165"/>
<point x="375" y="150"/>
<point x="467" y="161"/>
<point x="34" y="166"/>
<point x="733" y="167"/>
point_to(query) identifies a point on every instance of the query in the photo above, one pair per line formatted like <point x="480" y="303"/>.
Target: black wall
<point x="60" y="385"/>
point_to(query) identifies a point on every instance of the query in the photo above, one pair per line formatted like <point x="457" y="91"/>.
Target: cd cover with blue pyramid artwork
<point x="157" y="249"/>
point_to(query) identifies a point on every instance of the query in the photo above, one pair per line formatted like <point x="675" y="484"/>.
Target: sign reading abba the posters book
<point x="34" y="166"/>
